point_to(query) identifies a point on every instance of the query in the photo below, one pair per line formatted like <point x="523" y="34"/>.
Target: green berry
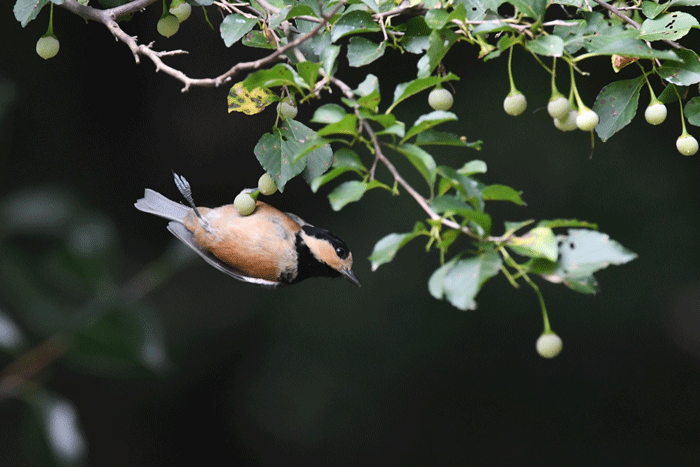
<point x="244" y="203"/>
<point x="687" y="145"/>
<point x="655" y="114"/>
<point x="549" y="345"/>
<point x="587" y="120"/>
<point x="287" y="110"/>
<point x="168" y="25"/>
<point x="559" y="107"/>
<point x="440" y="99"/>
<point x="515" y="104"/>
<point x="47" y="47"/>
<point x="266" y="185"/>
<point x="567" y="123"/>
<point x="181" y="9"/>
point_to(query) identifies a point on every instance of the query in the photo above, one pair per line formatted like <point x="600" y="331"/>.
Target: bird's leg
<point x="184" y="187"/>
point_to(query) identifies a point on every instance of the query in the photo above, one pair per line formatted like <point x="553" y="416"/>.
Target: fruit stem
<point x="49" y="31"/>
<point x="513" y="89"/>
<point x="579" y="102"/>
<point x="680" y="103"/>
<point x="653" y="99"/>
<point x="555" y="92"/>
<point x="166" y="11"/>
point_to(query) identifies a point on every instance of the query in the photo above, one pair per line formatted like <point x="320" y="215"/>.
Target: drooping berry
<point x="168" y="25"/>
<point x="515" y="104"/>
<point x="287" y="110"/>
<point x="47" y="47"/>
<point x="181" y="9"/>
<point x="568" y="123"/>
<point x="244" y="203"/>
<point x="687" y="145"/>
<point x="655" y="114"/>
<point x="440" y="99"/>
<point x="549" y="345"/>
<point x="587" y="120"/>
<point x="559" y="107"/>
<point x="266" y="185"/>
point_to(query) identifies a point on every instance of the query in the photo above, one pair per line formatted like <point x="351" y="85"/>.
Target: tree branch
<point x="108" y="18"/>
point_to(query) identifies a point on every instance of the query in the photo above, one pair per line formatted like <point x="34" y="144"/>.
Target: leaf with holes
<point x="668" y="27"/>
<point x="580" y="254"/>
<point x="616" y="105"/>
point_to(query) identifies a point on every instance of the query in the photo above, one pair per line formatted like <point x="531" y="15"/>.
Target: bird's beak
<point x="349" y="275"/>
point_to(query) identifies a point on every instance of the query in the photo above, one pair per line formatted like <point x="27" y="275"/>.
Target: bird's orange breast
<point x="260" y="245"/>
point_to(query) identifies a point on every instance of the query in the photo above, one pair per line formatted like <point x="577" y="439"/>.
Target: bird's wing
<point x="186" y="237"/>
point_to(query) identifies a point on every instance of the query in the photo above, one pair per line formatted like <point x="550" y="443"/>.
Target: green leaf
<point x="458" y="281"/>
<point x="555" y="223"/>
<point x="616" y="105"/>
<point x="258" y="40"/>
<point x="344" y="160"/>
<point x="512" y="227"/>
<point x="279" y="75"/>
<point x="329" y="113"/>
<point x="453" y="205"/>
<point x="353" y="22"/>
<point x="539" y="242"/>
<point x="428" y="121"/>
<point x="502" y="193"/>
<point x="309" y="72"/>
<point x="692" y="111"/>
<point x="551" y="46"/>
<point x="432" y="137"/>
<point x="347" y="192"/>
<point x="583" y="252"/>
<point x="682" y="73"/>
<point x="235" y="26"/>
<point x="671" y="93"/>
<point x="277" y="152"/>
<point x="405" y="90"/>
<point x="345" y="126"/>
<point x="300" y="10"/>
<point x="385" y="249"/>
<point x="421" y="160"/>
<point x="652" y="9"/>
<point x="473" y="167"/>
<point x="26" y="10"/>
<point x="532" y="8"/>
<point x="362" y="51"/>
<point x="670" y="27"/>
<point x="436" y="18"/>
<point x="469" y="188"/>
<point x="416" y="36"/>
<point x="439" y="43"/>
<point x="368" y="87"/>
<point x="328" y="56"/>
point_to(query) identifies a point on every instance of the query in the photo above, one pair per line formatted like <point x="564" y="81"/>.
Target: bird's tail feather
<point x="155" y="203"/>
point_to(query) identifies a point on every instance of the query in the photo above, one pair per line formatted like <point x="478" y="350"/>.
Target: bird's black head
<point x="322" y="253"/>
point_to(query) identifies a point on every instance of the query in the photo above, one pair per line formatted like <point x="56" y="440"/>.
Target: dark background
<point x="323" y="373"/>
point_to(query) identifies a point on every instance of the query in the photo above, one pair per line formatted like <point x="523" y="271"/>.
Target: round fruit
<point x="266" y="185"/>
<point x="440" y="99"/>
<point x="168" y="25"/>
<point x="515" y="104"/>
<point x="559" y="107"/>
<point x="655" y="114"/>
<point x="687" y="145"/>
<point x="47" y="47"/>
<point x="287" y="110"/>
<point x="549" y="345"/>
<point x="567" y="123"/>
<point x="181" y="10"/>
<point x="244" y="203"/>
<point x="587" y="120"/>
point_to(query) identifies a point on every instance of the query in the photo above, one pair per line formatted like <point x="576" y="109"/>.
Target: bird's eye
<point x="341" y="252"/>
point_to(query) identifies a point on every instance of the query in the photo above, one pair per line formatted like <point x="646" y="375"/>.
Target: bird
<point x="268" y="248"/>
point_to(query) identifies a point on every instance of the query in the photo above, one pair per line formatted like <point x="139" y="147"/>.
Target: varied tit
<point x="267" y="248"/>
